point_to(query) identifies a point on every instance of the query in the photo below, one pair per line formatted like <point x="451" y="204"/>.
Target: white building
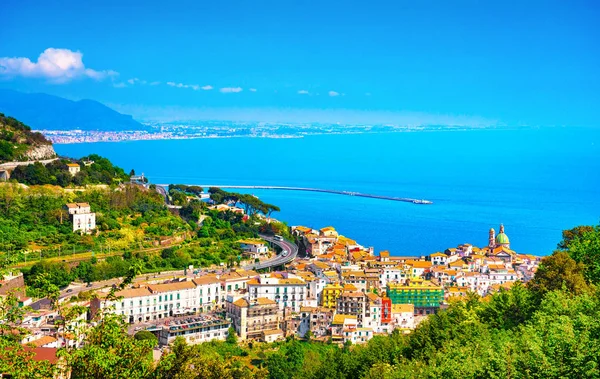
<point x="403" y="316"/>
<point x="392" y="274"/>
<point x="157" y="301"/>
<point x="82" y="216"/>
<point x="208" y="290"/>
<point x="74" y="168"/>
<point x="254" y="247"/>
<point x="203" y="328"/>
<point x="286" y="292"/>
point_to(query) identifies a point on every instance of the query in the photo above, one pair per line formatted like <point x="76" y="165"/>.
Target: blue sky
<point x="480" y="62"/>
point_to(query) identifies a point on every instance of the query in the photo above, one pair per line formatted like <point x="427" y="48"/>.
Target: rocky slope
<point x="19" y="143"/>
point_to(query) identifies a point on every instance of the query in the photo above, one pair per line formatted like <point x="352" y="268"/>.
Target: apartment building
<point x="194" y="330"/>
<point x="286" y="292"/>
<point x="251" y="318"/>
<point x="354" y="303"/>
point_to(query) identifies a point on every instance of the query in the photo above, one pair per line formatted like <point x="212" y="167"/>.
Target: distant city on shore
<point x="230" y="129"/>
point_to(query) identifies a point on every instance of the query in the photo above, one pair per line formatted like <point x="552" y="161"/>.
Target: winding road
<point x="279" y="259"/>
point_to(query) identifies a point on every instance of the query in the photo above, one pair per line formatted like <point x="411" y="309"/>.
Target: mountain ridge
<point x="42" y="111"/>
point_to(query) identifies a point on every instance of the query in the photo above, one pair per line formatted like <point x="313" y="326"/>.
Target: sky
<point x="491" y="62"/>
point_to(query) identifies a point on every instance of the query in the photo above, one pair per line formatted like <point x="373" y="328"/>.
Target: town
<point x="333" y="290"/>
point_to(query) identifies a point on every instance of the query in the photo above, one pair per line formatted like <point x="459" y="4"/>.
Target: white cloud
<point x="136" y="81"/>
<point x="333" y="93"/>
<point x="195" y="87"/>
<point x="57" y="65"/>
<point x="252" y="89"/>
<point x="154" y="83"/>
<point x="119" y="85"/>
<point x="231" y="89"/>
<point x="303" y="92"/>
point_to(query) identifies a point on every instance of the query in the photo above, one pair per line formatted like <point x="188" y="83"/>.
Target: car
<point x="278" y="237"/>
<point x="89" y="285"/>
<point x="284" y="253"/>
<point x="69" y="290"/>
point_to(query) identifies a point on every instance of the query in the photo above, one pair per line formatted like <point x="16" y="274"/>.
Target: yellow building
<point x="330" y="294"/>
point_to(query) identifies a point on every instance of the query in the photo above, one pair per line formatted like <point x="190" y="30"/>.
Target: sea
<point x="535" y="181"/>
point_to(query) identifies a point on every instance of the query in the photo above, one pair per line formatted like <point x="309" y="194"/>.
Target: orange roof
<point x="134" y="292"/>
<point x="208" y="279"/>
<point x="168" y="287"/>
<point x="45" y="340"/>
<point x="384" y="254"/>
<point x="403" y="308"/>
<point x="438" y="254"/>
<point x="419" y="264"/>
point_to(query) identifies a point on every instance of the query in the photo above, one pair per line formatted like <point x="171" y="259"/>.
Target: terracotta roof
<point x="208" y="279"/>
<point x="438" y="254"/>
<point x="264" y="301"/>
<point x="384" y="254"/>
<point x="353" y="294"/>
<point x="134" y="292"/>
<point x="272" y="332"/>
<point x="419" y="264"/>
<point x="339" y="319"/>
<point x="44" y="340"/>
<point x="168" y="287"/>
<point x="241" y="302"/>
<point x="72" y="165"/>
<point x="403" y="308"/>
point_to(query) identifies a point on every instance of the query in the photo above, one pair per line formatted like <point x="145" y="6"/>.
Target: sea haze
<point x="535" y="181"/>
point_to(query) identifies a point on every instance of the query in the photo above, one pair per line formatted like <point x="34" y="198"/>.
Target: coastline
<point x="79" y="137"/>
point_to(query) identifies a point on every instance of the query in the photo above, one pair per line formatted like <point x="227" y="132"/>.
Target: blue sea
<point x="536" y="182"/>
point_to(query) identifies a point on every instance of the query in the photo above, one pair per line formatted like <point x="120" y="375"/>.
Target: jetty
<point x="308" y="189"/>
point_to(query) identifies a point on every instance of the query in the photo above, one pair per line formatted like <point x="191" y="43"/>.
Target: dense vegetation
<point x="250" y="203"/>
<point x="549" y="328"/>
<point x="17" y="138"/>
<point x="134" y="228"/>
<point x="102" y="171"/>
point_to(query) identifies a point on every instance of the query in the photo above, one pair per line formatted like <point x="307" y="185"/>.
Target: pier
<point x="308" y="189"/>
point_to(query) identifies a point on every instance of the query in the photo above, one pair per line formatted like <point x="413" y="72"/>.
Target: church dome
<point x="502" y="239"/>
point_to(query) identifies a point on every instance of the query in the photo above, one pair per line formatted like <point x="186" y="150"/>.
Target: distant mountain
<point x="43" y="111"/>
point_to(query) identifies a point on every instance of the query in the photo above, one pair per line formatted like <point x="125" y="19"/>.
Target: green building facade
<point x="425" y="297"/>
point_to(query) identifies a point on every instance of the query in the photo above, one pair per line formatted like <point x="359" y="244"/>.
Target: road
<point x="278" y="260"/>
<point x="13" y="165"/>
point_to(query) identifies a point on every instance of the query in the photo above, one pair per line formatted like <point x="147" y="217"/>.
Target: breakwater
<point x="308" y="189"/>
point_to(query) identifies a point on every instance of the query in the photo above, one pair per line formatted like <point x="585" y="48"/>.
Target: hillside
<point x="47" y="112"/>
<point x="19" y="143"/>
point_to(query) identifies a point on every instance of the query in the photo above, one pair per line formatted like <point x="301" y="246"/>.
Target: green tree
<point x="583" y="245"/>
<point x="144" y="335"/>
<point x="231" y="336"/>
<point x="558" y="271"/>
